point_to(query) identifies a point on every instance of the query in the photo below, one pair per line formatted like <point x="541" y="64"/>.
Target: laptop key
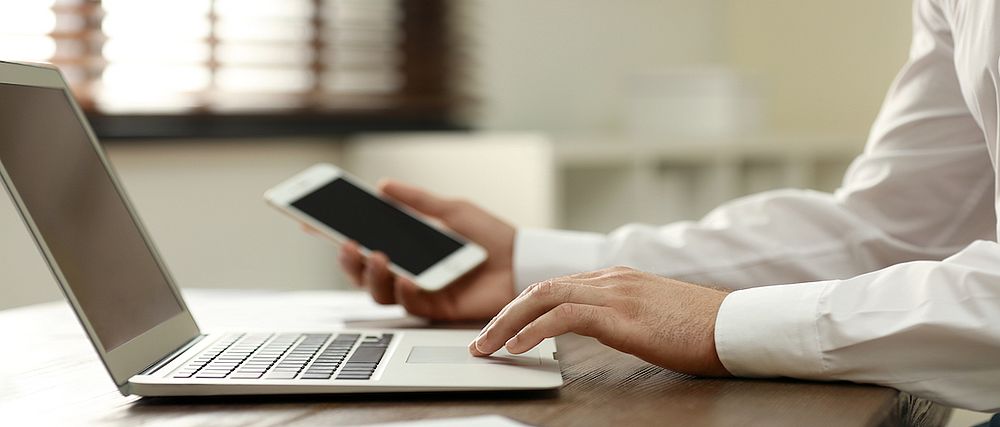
<point x="315" y="376"/>
<point x="355" y="364"/>
<point x="289" y="356"/>
<point x="367" y="355"/>
<point x="211" y="375"/>
<point x="281" y="375"/>
<point x="353" y="377"/>
<point x="246" y="376"/>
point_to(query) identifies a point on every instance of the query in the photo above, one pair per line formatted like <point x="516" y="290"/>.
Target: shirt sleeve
<point x="543" y="254"/>
<point x="928" y="328"/>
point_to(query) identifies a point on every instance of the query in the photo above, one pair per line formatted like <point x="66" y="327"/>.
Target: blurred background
<point x="582" y="114"/>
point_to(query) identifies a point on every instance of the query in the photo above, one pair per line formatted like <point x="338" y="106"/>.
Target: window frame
<point x="431" y="98"/>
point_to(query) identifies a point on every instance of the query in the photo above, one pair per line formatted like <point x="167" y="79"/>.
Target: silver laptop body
<point x="106" y="264"/>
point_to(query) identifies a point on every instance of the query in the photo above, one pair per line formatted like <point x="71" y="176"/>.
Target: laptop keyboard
<point x="288" y="356"/>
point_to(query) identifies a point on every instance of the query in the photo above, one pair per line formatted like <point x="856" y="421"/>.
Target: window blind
<point x="236" y="57"/>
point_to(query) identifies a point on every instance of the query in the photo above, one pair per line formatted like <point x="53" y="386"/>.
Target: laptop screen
<point x="81" y="216"/>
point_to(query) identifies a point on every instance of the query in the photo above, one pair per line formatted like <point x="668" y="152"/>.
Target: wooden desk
<point x="49" y="373"/>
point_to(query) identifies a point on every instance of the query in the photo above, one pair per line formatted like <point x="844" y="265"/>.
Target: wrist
<point x="713" y="363"/>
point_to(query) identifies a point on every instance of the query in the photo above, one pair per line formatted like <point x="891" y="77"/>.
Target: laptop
<point x="61" y="182"/>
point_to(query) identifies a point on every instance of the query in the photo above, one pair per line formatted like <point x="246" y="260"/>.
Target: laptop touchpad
<point x="447" y="354"/>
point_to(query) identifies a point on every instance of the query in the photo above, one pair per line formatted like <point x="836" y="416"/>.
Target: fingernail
<point x="481" y="344"/>
<point x="474" y="348"/>
<point x="511" y="343"/>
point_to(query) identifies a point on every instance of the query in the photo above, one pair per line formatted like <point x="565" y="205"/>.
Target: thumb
<point x="417" y="198"/>
<point x="462" y="217"/>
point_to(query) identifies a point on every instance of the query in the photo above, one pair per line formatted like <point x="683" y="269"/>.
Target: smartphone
<point x="325" y="198"/>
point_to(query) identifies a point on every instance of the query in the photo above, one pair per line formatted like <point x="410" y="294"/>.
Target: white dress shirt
<point x="894" y="279"/>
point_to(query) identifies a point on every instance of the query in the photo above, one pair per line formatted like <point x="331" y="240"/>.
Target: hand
<point x="478" y="294"/>
<point x="662" y="321"/>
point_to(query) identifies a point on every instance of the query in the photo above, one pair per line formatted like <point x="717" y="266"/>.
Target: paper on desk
<point x="479" y="421"/>
<point x="264" y="310"/>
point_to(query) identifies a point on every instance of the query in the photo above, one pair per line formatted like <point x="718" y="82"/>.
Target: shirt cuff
<point x="772" y="331"/>
<point x="543" y="254"/>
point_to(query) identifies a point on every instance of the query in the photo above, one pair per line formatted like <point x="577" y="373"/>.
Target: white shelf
<point x="571" y="151"/>
<point x="608" y="181"/>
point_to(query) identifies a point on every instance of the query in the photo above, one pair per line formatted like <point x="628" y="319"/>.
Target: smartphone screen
<point x="377" y="225"/>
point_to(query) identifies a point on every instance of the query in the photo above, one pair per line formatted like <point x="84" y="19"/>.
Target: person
<point x="894" y="279"/>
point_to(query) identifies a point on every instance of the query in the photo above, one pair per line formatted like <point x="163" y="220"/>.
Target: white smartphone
<point x="327" y="199"/>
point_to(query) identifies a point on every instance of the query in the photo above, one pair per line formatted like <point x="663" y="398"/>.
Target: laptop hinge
<point x="173" y="355"/>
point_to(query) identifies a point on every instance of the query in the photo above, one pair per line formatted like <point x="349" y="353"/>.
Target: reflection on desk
<point x="49" y="373"/>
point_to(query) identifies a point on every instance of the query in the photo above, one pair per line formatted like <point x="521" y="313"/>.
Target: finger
<point x="472" y="345"/>
<point x="352" y="262"/>
<point x="417" y="198"/>
<point x="501" y="315"/>
<point x="379" y="280"/>
<point x="416" y="301"/>
<point x="588" y="320"/>
<point x="539" y="299"/>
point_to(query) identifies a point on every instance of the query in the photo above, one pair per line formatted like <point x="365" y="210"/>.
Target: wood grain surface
<point x="50" y="374"/>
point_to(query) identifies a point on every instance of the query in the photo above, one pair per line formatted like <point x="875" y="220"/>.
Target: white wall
<point x="560" y="65"/>
<point x="826" y="65"/>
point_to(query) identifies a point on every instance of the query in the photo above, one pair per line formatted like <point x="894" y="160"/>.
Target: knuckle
<point x="630" y="308"/>
<point x="532" y="288"/>
<point x="525" y="293"/>
<point x="567" y="312"/>
<point x="629" y="290"/>
<point x="621" y="269"/>
<point x="543" y="289"/>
